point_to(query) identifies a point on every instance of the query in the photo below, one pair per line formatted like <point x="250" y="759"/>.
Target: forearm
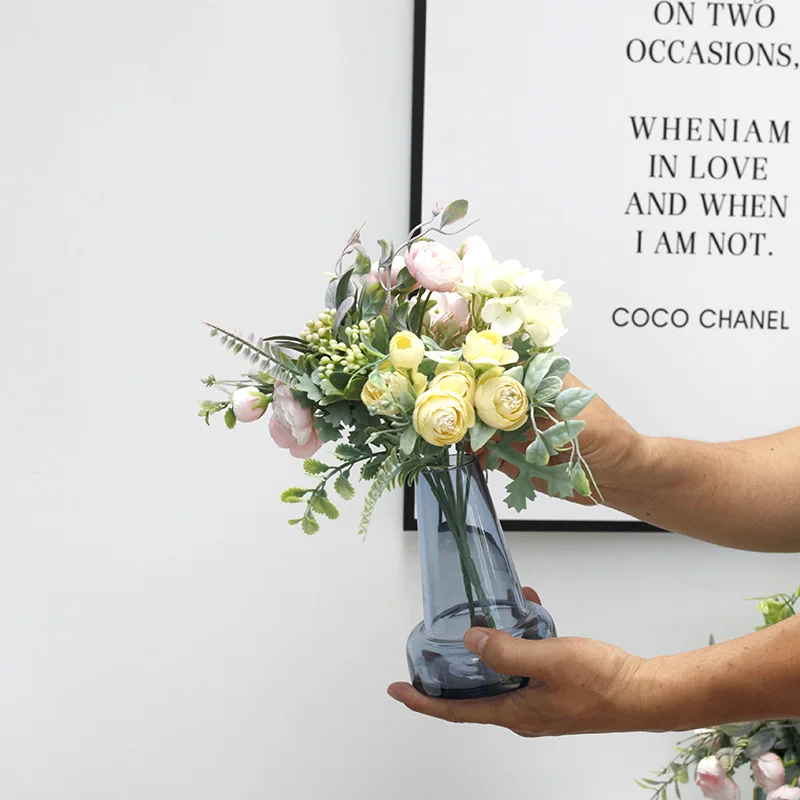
<point x="744" y="495"/>
<point x="755" y="677"/>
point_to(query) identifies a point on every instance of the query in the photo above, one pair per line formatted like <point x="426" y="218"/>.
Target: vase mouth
<point x="461" y="461"/>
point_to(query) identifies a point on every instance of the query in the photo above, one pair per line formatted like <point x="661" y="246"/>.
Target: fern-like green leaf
<point x="314" y="467"/>
<point x="322" y="505"/>
<point x="294" y="495"/>
<point x="346" y="452"/>
<point x="309" y="524"/>
<point x="343" y="487"/>
<point x="386" y="474"/>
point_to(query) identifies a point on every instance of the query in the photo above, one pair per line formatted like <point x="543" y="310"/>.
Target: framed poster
<point x="645" y="152"/>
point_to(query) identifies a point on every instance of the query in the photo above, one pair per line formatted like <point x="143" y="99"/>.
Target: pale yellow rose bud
<point x="406" y="350"/>
<point x="392" y="397"/>
<point x="457" y="378"/>
<point x="487" y="347"/>
<point x="442" y="418"/>
<point x="501" y="402"/>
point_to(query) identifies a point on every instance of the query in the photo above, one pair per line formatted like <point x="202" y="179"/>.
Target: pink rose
<point x="249" y="405"/>
<point x="768" y="772"/>
<point x="434" y="266"/>
<point x="451" y="311"/>
<point x="714" y="782"/>
<point x="292" y="425"/>
<point x="397" y="265"/>
<point x="785" y="793"/>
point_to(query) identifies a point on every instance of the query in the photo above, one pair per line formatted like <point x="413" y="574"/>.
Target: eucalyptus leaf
<point x="580" y="482"/>
<point x="387" y="252"/>
<point x="408" y="439"/>
<point x="571" y="402"/>
<point x="343" y="288"/>
<point x="760" y="743"/>
<point x="455" y="211"/>
<point x="341" y="312"/>
<point x="373" y="301"/>
<point x="560" y="367"/>
<point x="363" y="265"/>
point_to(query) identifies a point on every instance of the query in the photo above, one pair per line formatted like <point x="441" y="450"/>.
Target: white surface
<point x="163" y="633"/>
<point x="534" y="127"/>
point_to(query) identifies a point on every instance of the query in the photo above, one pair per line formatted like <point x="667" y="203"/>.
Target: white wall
<point x="163" y="633"/>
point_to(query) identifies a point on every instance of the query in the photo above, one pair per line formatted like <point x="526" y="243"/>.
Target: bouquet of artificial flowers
<point x="771" y="749"/>
<point x="417" y="357"/>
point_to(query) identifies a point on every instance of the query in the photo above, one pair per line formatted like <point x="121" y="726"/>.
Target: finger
<point x="532" y="595"/>
<point x="504" y="653"/>
<point x="486" y="711"/>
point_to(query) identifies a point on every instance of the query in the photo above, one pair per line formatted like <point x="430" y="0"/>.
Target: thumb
<point x="500" y="651"/>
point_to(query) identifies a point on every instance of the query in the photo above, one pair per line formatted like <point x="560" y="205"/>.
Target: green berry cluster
<point x="333" y="355"/>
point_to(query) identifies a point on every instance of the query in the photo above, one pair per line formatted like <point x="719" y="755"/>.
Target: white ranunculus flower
<point x="474" y="254"/>
<point x="499" y="278"/>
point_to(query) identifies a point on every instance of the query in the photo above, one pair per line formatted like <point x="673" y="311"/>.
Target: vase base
<point x="441" y="666"/>
<point x="511" y="684"/>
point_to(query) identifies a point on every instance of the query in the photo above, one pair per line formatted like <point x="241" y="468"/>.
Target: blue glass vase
<point x="468" y="580"/>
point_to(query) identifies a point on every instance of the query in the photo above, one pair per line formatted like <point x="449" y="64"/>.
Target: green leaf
<point x="327" y="432"/>
<point x="306" y="385"/>
<point x="580" y="482"/>
<point x="516" y="373"/>
<point x="519" y="492"/>
<point x="761" y="742"/>
<point x="455" y="211"/>
<point x="711" y="640"/>
<point x="363" y="265"/>
<point x="399" y="316"/>
<point x="230" y="419"/>
<point x="537" y="371"/>
<point x="408" y="439"/>
<point x="342" y="311"/>
<point x="314" y="467"/>
<point x="346" y="452"/>
<point x="444" y="356"/>
<point x="559" y="368"/>
<point x="309" y="524"/>
<point x="405" y="281"/>
<point x="294" y="495"/>
<point x="387" y="252"/>
<point x="340" y="380"/>
<point x="479" y="434"/>
<point x="537" y="452"/>
<point x="373" y="302"/>
<point x="343" y="288"/>
<point x="557" y="477"/>
<point x="343" y="487"/>
<point x="387" y="472"/>
<point x="548" y="389"/>
<point x="380" y="336"/>
<point x="371" y="468"/>
<point x="571" y="402"/>
<point x="564" y="432"/>
<point x="338" y="414"/>
<point x="322" y="505"/>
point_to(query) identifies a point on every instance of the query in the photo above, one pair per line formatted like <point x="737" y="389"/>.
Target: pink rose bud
<point x="714" y="782"/>
<point x="373" y="275"/>
<point x="434" y="266"/>
<point x="785" y="793"/>
<point x="768" y="772"/>
<point x="249" y="404"/>
<point x="292" y="425"/>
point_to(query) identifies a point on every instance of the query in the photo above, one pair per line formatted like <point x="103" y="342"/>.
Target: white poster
<point x="645" y="152"/>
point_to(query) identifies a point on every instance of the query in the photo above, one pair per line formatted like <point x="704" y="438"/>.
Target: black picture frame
<point x="415" y="217"/>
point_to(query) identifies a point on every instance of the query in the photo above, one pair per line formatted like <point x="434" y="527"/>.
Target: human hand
<point x="576" y="686"/>
<point x="614" y="451"/>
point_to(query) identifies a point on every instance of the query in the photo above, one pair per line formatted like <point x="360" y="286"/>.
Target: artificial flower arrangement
<point x="424" y="352"/>
<point x="771" y="749"/>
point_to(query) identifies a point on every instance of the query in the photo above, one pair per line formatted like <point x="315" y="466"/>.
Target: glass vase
<point x="468" y="580"/>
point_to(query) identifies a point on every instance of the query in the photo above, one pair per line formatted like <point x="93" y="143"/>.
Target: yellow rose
<point x="406" y="350"/>
<point x="456" y="378"/>
<point x="487" y="347"/>
<point x="501" y="402"/>
<point x="387" y="400"/>
<point x="442" y="418"/>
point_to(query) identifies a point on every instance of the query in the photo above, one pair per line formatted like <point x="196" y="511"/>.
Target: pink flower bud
<point x="768" y="772"/>
<point x="292" y="425"/>
<point x="434" y="266"/>
<point x="249" y="404"/>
